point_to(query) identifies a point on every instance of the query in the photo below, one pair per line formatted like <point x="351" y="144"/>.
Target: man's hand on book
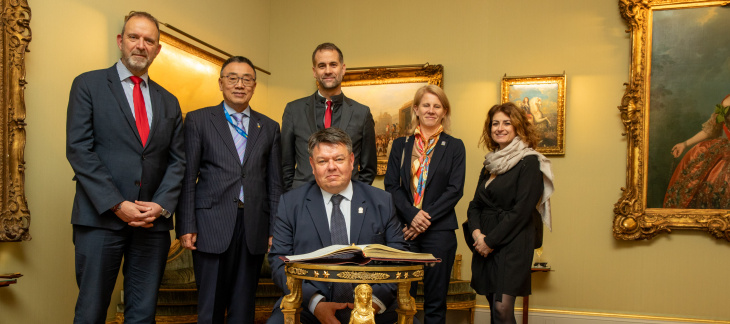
<point x="325" y="311"/>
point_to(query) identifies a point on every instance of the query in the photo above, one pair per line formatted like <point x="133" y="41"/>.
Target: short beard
<point x="334" y="86"/>
<point x="134" y="65"/>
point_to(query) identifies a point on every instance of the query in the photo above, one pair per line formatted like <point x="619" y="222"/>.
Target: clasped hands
<point x="479" y="245"/>
<point x="325" y="311"/>
<point x="139" y="213"/>
<point x="420" y="224"/>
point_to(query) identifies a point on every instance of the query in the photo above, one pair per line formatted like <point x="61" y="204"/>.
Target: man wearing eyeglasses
<point x="231" y="187"/>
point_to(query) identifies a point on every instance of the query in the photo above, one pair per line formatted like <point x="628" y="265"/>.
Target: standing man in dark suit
<point x="333" y="210"/>
<point x="231" y="186"/>
<point x="328" y="107"/>
<point x="124" y="142"/>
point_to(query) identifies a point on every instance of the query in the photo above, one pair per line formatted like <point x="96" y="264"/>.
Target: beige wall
<point x="71" y="37"/>
<point x="683" y="274"/>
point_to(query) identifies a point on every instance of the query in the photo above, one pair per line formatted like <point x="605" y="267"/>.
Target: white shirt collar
<point x="347" y="193"/>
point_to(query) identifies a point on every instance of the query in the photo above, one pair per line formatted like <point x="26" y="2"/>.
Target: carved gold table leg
<point x="290" y="305"/>
<point x="406" y="304"/>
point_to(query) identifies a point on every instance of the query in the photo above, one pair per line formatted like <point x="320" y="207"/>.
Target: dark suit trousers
<point x="99" y="252"/>
<point x="442" y="244"/>
<point x="228" y="281"/>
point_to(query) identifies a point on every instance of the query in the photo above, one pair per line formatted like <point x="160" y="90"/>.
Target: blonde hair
<point x="439" y="93"/>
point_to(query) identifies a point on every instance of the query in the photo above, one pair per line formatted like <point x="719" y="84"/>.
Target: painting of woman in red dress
<point x="701" y="179"/>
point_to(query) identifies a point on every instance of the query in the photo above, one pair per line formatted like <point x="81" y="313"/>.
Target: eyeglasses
<point x="233" y="80"/>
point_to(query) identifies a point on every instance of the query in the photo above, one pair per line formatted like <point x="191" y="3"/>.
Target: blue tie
<point x="240" y="142"/>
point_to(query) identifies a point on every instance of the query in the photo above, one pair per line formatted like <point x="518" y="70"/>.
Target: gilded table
<point x="403" y="275"/>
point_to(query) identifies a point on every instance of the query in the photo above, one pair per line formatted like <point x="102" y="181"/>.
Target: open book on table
<point x="360" y="254"/>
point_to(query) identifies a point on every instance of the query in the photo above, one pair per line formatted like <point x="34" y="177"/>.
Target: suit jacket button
<point x="143" y="157"/>
<point x="243" y="175"/>
<point x="136" y="183"/>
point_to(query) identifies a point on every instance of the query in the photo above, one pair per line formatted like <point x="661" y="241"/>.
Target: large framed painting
<point x="543" y="98"/>
<point x="14" y="39"/>
<point x="188" y="72"/>
<point x="389" y="91"/>
<point x="675" y="114"/>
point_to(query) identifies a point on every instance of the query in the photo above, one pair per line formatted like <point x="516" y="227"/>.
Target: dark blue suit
<point x="209" y="207"/>
<point x="110" y="166"/>
<point x="443" y="190"/>
<point x="301" y="226"/>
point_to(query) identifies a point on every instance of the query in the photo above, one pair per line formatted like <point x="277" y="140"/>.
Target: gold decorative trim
<point x="361" y="275"/>
<point x="431" y="74"/>
<point x="633" y="221"/>
<point x="297" y="271"/>
<point x="418" y="274"/>
<point x="14" y="216"/>
<point x="190" y="48"/>
<point x="615" y="315"/>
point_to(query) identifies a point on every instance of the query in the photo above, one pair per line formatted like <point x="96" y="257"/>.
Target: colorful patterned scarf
<point x="419" y="168"/>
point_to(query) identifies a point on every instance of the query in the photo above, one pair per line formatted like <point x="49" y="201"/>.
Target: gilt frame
<point x="549" y="90"/>
<point x="15" y="36"/>
<point x="388" y="82"/>
<point x="632" y="219"/>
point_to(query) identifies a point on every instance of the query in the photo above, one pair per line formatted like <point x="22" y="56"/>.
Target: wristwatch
<point x="116" y="207"/>
<point x="165" y="213"/>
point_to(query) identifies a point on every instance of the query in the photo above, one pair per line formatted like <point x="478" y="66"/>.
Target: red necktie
<point x="140" y="111"/>
<point x="328" y="115"/>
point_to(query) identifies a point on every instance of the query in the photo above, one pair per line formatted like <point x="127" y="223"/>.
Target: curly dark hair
<point x="523" y="127"/>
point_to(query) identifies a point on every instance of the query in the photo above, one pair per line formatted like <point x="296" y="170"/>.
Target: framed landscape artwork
<point x="389" y="91"/>
<point x="543" y="98"/>
<point x="675" y="114"/>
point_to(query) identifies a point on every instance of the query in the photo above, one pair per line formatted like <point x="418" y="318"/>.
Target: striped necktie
<point x="240" y="142"/>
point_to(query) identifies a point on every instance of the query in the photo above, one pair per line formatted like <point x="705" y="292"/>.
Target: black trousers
<point x="442" y="244"/>
<point x="99" y="253"/>
<point x="228" y="281"/>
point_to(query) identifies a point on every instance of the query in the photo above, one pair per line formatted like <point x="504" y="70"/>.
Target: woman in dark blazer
<point x="426" y="178"/>
<point x="504" y="218"/>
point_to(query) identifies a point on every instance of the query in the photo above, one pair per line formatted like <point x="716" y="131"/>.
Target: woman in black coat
<point x="426" y="178"/>
<point x="504" y="219"/>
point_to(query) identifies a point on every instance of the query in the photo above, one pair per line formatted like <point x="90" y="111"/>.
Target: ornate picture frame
<point x="665" y="103"/>
<point x="543" y="98"/>
<point x="188" y="72"/>
<point x="14" y="216"/>
<point x="389" y="91"/>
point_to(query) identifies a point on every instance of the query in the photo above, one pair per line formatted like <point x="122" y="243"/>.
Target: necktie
<point x="140" y="111"/>
<point x="240" y="142"/>
<point x="338" y="229"/>
<point x="328" y="115"/>
<point x="341" y="292"/>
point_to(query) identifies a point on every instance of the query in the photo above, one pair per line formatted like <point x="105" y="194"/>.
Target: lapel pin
<point x="360" y="210"/>
<point x="443" y="143"/>
<point x="258" y="125"/>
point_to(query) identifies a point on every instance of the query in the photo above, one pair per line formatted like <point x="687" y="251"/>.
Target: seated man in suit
<point x="333" y="209"/>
